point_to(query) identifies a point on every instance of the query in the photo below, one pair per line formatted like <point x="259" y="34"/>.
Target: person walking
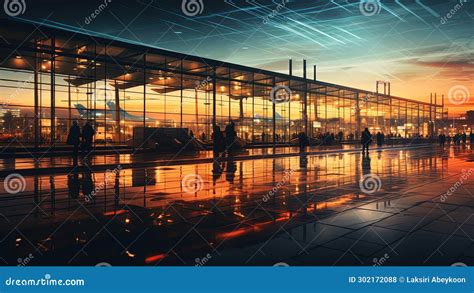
<point x="379" y="139"/>
<point x="88" y="133"/>
<point x="442" y="140"/>
<point x="74" y="139"/>
<point x="366" y="139"/>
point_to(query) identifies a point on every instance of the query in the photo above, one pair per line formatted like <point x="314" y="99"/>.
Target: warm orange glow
<point x="118" y="212"/>
<point x="155" y="258"/>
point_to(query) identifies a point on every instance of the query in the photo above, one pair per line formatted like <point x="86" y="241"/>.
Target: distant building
<point x="15" y="112"/>
<point x="470" y="117"/>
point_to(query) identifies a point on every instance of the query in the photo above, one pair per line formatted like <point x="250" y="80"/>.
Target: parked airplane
<point x="124" y="115"/>
<point x="84" y="113"/>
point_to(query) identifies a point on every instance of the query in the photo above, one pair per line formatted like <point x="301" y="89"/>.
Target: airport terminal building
<point x="51" y="76"/>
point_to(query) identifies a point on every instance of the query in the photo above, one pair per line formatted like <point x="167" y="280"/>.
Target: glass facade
<point x="51" y="77"/>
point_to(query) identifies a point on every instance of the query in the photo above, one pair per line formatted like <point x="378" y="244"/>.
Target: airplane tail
<point x="81" y="109"/>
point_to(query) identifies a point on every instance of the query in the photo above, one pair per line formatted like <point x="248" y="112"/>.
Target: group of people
<point x="366" y="139"/>
<point x="457" y="139"/>
<point x="224" y="141"/>
<point x="83" y="138"/>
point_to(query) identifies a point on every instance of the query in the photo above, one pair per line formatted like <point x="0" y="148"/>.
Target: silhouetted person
<point x="442" y="140"/>
<point x="471" y="137"/>
<point x="216" y="171"/>
<point x="73" y="185"/>
<point x="231" y="167"/>
<point x="365" y="164"/>
<point x="191" y="133"/>
<point x="464" y="138"/>
<point x="218" y="140"/>
<point x="88" y="133"/>
<point x="303" y="141"/>
<point x="365" y="140"/>
<point x="88" y="185"/>
<point x="74" y="139"/>
<point x="379" y="139"/>
<point x="230" y="135"/>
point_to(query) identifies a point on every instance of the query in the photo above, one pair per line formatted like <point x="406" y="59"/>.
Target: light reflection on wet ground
<point x="302" y="210"/>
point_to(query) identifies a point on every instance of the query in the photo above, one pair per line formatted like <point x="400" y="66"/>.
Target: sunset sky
<point x="419" y="46"/>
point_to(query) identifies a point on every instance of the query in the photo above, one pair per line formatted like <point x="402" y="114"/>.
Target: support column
<point x="430" y="124"/>
<point x="274" y="118"/>
<point x="290" y="73"/>
<point x="214" y="97"/>
<point x="305" y="100"/>
<point x="69" y="115"/>
<point x="117" y="114"/>
<point x="36" y="97"/>
<point x="144" y="95"/>
<point x="53" y="92"/>
<point x="357" y="113"/>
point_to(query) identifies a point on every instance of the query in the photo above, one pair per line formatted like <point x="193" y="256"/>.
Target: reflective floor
<point x="396" y="207"/>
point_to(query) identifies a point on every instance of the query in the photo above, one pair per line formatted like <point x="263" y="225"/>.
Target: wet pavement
<point x="396" y="207"/>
